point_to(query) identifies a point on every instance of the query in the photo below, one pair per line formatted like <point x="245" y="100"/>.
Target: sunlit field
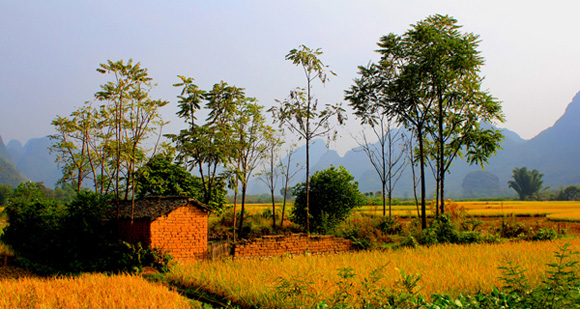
<point x="89" y="291"/>
<point x="553" y="210"/>
<point x="449" y="269"/>
<point x="492" y="209"/>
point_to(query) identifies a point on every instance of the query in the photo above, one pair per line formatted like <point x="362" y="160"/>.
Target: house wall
<point x="183" y="232"/>
<point x="292" y="244"/>
<point x="139" y="231"/>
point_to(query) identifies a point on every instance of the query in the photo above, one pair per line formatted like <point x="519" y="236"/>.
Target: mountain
<point x="555" y="152"/>
<point x="35" y="160"/>
<point x="9" y="174"/>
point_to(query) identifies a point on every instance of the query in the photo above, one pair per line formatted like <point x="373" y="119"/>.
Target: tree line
<point x="426" y="81"/>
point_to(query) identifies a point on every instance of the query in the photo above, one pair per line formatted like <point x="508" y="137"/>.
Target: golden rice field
<point x="448" y="269"/>
<point x="496" y="209"/>
<point x="474" y="208"/>
<point x="88" y="291"/>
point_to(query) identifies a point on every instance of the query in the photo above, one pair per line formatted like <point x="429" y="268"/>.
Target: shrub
<point x="545" y="234"/>
<point x="49" y="237"/>
<point x="470" y="237"/>
<point x="333" y="194"/>
<point x="391" y="226"/>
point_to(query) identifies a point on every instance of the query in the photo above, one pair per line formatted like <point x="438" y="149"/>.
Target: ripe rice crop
<point x="573" y="216"/>
<point x="447" y="269"/>
<point x="88" y="291"/>
<point x="491" y="209"/>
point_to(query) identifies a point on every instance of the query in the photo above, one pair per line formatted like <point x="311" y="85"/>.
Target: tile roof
<point x="154" y="207"/>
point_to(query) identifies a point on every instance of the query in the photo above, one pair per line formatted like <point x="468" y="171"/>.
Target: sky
<point x="49" y="51"/>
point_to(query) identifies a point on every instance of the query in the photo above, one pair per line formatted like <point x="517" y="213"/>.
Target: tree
<point x="571" y="193"/>
<point x="334" y="194"/>
<point x="365" y="97"/>
<point x="107" y="144"/>
<point x="448" y="64"/>
<point x="393" y="86"/>
<point x="288" y="174"/>
<point x="427" y="79"/>
<point x="132" y="116"/>
<point x="300" y="113"/>
<point x="207" y="146"/>
<point x="161" y="176"/>
<point x="526" y="183"/>
<point x="252" y="138"/>
<point x="271" y="173"/>
<point x="5" y="191"/>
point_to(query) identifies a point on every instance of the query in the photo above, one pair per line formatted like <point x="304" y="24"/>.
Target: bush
<point x="49" y="237"/>
<point x="333" y="194"/>
<point x="545" y="234"/>
<point x="364" y="234"/>
<point x="470" y="237"/>
<point x="390" y="226"/>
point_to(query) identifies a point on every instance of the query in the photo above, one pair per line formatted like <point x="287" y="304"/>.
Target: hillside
<point x="9" y="174"/>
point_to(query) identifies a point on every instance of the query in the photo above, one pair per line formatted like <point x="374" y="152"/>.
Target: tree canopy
<point x="333" y="194"/>
<point x="428" y="81"/>
<point x="526" y="183"/>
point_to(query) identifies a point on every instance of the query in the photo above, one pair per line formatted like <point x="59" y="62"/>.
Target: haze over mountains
<point x="555" y="152"/>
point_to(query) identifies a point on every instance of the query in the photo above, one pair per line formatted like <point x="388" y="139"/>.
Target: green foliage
<point x="106" y="144"/>
<point x="51" y="237"/>
<point x="333" y="194"/>
<point x="545" y="234"/>
<point x="526" y="183"/>
<point x="9" y="174"/>
<point x="571" y="193"/>
<point x="5" y="191"/>
<point x="161" y="176"/>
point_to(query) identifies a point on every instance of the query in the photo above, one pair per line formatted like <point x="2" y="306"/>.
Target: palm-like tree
<point x="526" y="183"/>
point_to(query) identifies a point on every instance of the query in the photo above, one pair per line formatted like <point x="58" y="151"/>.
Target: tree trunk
<point x="422" y="168"/>
<point x="240" y="231"/>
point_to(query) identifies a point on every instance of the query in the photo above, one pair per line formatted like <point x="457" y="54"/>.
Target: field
<point x="494" y="209"/>
<point x="569" y="210"/>
<point x="307" y="280"/>
<point x="22" y="290"/>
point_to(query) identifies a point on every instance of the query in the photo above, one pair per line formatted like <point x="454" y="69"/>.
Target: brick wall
<point x="292" y="244"/>
<point x="183" y="232"/>
<point x="139" y="231"/>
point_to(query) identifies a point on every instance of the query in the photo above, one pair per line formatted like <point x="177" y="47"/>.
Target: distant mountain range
<point x="555" y="152"/>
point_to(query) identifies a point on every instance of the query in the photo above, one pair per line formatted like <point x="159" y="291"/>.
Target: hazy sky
<point x="49" y="51"/>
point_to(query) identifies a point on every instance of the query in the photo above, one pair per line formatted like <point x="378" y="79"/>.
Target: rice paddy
<point x="89" y="291"/>
<point x="447" y="269"/>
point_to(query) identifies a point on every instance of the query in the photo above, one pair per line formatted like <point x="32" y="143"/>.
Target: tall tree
<point x="300" y="112"/>
<point x="207" y="146"/>
<point x="133" y="117"/>
<point x="108" y="142"/>
<point x="272" y="171"/>
<point x="253" y="137"/>
<point x="288" y="174"/>
<point x="526" y="183"/>
<point x="449" y="65"/>
<point x="428" y="81"/>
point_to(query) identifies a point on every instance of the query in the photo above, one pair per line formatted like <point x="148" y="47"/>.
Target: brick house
<point x="176" y="224"/>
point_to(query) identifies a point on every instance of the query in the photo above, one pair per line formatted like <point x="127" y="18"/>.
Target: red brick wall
<point x="292" y="244"/>
<point x="139" y="231"/>
<point x="183" y="232"/>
